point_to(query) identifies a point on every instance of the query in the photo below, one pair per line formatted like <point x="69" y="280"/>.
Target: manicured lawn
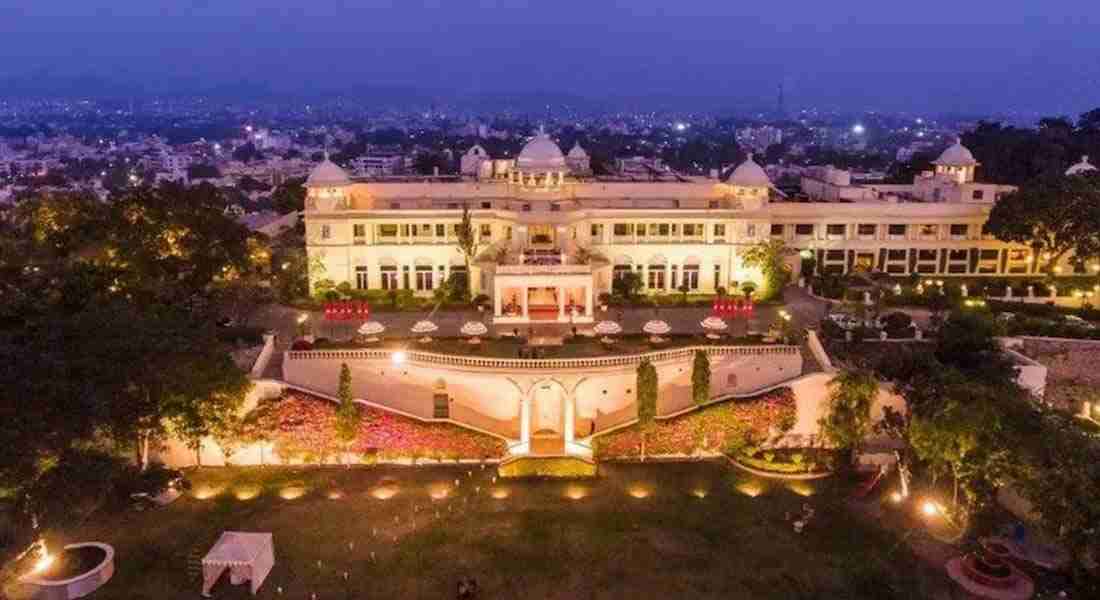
<point x="688" y="530"/>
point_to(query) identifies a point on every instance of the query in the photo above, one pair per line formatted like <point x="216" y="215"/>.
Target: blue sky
<point x="935" y="55"/>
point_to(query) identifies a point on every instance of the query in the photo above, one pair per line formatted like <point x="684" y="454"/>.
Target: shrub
<point x="898" y="325"/>
<point x="481" y="300"/>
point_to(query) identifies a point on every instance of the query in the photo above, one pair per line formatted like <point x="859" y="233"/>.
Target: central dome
<point x="327" y="174"/>
<point x="956" y="156"/>
<point x="541" y="154"/>
<point x="749" y="174"/>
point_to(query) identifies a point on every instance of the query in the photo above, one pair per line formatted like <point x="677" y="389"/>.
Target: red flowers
<point x="301" y="425"/>
<point x="706" y="429"/>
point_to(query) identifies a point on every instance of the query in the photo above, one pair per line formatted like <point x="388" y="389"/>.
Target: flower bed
<point x="303" y="427"/>
<point x="788" y="461"/>
<point x="722" y="427"/>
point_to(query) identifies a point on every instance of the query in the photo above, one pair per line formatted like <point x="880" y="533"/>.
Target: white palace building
<point x="552" y="237"/>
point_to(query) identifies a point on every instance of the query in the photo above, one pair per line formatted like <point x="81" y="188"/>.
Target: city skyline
<point x="977" y="59"/>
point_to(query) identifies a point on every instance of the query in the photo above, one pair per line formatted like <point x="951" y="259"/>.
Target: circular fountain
<point x="986" y="575"/>
<point x="75" y="572"/>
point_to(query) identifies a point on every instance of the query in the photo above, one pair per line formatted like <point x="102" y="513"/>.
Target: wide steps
<point x="564" y="467"/>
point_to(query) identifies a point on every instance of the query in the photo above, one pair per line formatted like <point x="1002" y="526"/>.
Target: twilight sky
<point x="933" y="55"/>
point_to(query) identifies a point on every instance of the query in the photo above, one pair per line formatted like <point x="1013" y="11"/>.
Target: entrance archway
<point x="547" y="418"/>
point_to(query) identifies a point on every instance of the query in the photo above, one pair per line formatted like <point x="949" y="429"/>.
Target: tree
<point x="967" y="341"/>
<point x="1063" y="484"/>
<point x="467" y="242"/>
<point x="848" y="418"/>
<point x="1054" y="215"/>
<point x="700" y="378"/>
<point x="289" y="197"/>
<point x="348" y="414"/>
<point x="627" y="285"/>
<point x="646" y="382"/>
<point x="770" y="258"/>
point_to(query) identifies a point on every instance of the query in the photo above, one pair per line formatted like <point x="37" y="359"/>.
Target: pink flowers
<point x="709" y="429"/>
<point x="304" y="426"/>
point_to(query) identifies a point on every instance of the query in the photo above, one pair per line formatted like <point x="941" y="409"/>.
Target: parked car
<point x="846" y="322"/>
<point x="1079" y="322"/>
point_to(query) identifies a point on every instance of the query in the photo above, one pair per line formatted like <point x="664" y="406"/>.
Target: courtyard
<point x="692" y="530"/>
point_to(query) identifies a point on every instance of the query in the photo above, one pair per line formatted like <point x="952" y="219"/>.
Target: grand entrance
<point x="542" y="304"/>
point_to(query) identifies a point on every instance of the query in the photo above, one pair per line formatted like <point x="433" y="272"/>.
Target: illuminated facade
<point x="551" y="239"/>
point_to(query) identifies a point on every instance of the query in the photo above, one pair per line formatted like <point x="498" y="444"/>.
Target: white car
<point x="1079" y="322"/>
<point x="846" y="322"/>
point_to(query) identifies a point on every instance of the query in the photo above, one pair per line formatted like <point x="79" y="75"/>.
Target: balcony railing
<point x="544" y="270"/>
<point x="496" y="364"/>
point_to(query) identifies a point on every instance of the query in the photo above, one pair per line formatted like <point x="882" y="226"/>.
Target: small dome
<point x="1082" y="167"/>
<point x="541" y="154"/>
<point x="956" y="156"/>
<point x="577" y="151"/>
<point x="327" y="174"/>
<point x="749" y="174"/>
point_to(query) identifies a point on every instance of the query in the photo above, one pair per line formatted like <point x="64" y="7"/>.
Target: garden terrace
<point x="302" y="428"/>
<point x="570" y="346"/>
<point x="694" y="530"/>
<point x="723" y="427"/>
<point x="1073" y="371"/>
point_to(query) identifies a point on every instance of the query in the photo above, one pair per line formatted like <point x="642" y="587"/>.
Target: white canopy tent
<point x="248" y="556"/>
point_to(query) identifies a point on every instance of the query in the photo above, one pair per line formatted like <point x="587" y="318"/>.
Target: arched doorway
<point x="547" y="418"/>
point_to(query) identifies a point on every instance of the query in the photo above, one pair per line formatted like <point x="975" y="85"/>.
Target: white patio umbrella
<point x="424" y="328"/>
<point x="606" y="328"/>
<point x="473" y="329"/>
<point x="371" y="329"/>
<point x="656" y="328"/>
<point x="714" y="326"/>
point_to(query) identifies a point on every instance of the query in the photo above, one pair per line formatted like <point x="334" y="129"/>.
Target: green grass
<point x="687" y="530"/>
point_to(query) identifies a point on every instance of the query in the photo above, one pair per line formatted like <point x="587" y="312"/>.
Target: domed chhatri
<point x="956" y="155"/>
<point x="541" y="155"/>
<point x="1082" y="167"/>
<point x="956" y="163"/>
<point x="328" y="174"/>
<point x="749" y="174"/>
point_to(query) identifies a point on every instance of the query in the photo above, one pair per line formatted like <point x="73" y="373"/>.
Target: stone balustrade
<point x="516" y="364"/>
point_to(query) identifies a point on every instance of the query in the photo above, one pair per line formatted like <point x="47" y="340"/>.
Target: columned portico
<point x="556" y="294"/>
<point x="547" y="421"/>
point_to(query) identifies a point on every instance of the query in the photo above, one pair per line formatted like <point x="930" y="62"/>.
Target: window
<point x="895" y="254"/>
<point x="395" y="205"/>
<point x="440" y="230"/>
<point x="989" y="254"/>
<point x="717" y="276"/>
<point x="326" y="232"/>
<point x="1018" y="255"/>
<point x="425" y="230"/>
<point x="691" y="276"/>
<point x="485" y="230"/>
<point x="508" y="232"/>
<point x="750" y="230"/>
<point x="928" y="230"/>
<point x="656" y="277"/>
<point x="689" y="229"/>
<point x="597" y="230"/>
<point x="662" y="229"/>
<point x="896" y="229"/>
<point x="959" y="229"/>
<point x="777" y="229"/>
<point x="424" y="278"/>
<point x="527" y="207"/>
<point x="387" y="231"/>
<point x="720" y="230"/>
<point x="622" y="229"/>
<point x="361" y="281"/>
<point x="639" y="229"/>
<point x="958" y="254"/>
<point x="359" y="230"/>
<point x="978" y="194"/>
<point x="804" y="229"/>
<point x="834" y="255"/>
<point x="486" y="205"/>
<point x="926" y="255"/>
<point x="867" y="229"/>
<point x="620" y="271"/>
<point x="834" y="229"/>
<point x="389" y="278"/>
<point x="712" y="204"/>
